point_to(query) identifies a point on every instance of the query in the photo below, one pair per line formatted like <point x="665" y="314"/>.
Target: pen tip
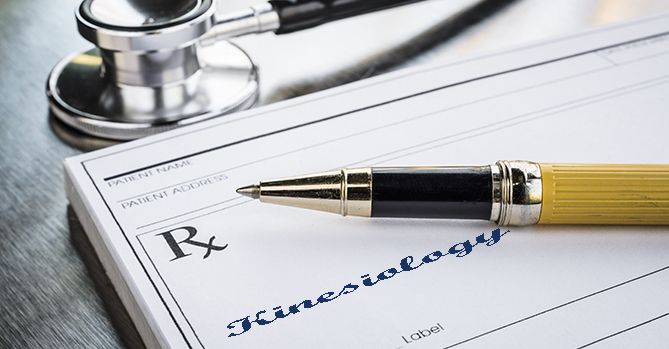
<point x="252" y="191"/>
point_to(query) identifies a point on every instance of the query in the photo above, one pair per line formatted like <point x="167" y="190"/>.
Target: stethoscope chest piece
<point x="148" y="73"/>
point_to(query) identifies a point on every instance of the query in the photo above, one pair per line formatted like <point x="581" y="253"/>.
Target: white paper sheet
<point x="595" y="97"/>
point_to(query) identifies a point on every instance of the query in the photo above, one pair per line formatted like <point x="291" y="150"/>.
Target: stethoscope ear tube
<point x="296" y="15"/>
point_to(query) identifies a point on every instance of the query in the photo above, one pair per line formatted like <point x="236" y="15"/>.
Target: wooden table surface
<point x="52" y="294"/>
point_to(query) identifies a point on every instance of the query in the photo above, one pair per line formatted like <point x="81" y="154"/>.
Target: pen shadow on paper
<point x="117" y="313"/>
<point x="385" y="224"/>
<point x="393" y="58"/>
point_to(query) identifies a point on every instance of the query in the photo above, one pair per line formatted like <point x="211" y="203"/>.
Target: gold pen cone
<point x="251" y="191"/>
<point x="346" y="191"/>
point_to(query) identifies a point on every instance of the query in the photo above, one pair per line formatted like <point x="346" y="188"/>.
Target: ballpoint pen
<point x="508" y="193"/>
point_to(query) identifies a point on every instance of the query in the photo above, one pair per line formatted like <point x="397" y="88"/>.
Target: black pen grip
<point x="296" y="15"/>
<point x="446" y="192"/>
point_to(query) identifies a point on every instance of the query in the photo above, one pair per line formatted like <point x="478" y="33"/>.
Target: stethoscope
<point x="160" y="65"/>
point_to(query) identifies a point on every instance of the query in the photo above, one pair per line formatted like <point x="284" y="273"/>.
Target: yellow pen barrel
<point x="604" y="194"/>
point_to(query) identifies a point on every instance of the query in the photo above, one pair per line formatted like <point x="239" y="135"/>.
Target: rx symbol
<point x="179" y="253"/>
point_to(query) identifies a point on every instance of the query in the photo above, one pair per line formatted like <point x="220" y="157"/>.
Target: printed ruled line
<point x="623" y="331"/>
<point x="562" y="306"/>
<point x="504" y="124"/>
<point x="173" y="185"/>
<point x="171" y="295"/>
<point x="202" y="215"/>
<point x="187" y="213"/>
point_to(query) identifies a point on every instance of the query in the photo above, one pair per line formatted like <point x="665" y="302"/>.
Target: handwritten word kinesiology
<point x="459" y="250"/>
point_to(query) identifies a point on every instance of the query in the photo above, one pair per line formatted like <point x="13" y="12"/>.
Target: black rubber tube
<point x="447" y="192"/>
<point x="296" y="15"/>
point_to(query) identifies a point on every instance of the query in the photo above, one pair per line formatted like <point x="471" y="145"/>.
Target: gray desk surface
<point x="47" y="294"/>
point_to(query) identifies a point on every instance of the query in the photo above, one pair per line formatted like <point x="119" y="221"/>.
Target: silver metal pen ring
<point x="517" y="193"/>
